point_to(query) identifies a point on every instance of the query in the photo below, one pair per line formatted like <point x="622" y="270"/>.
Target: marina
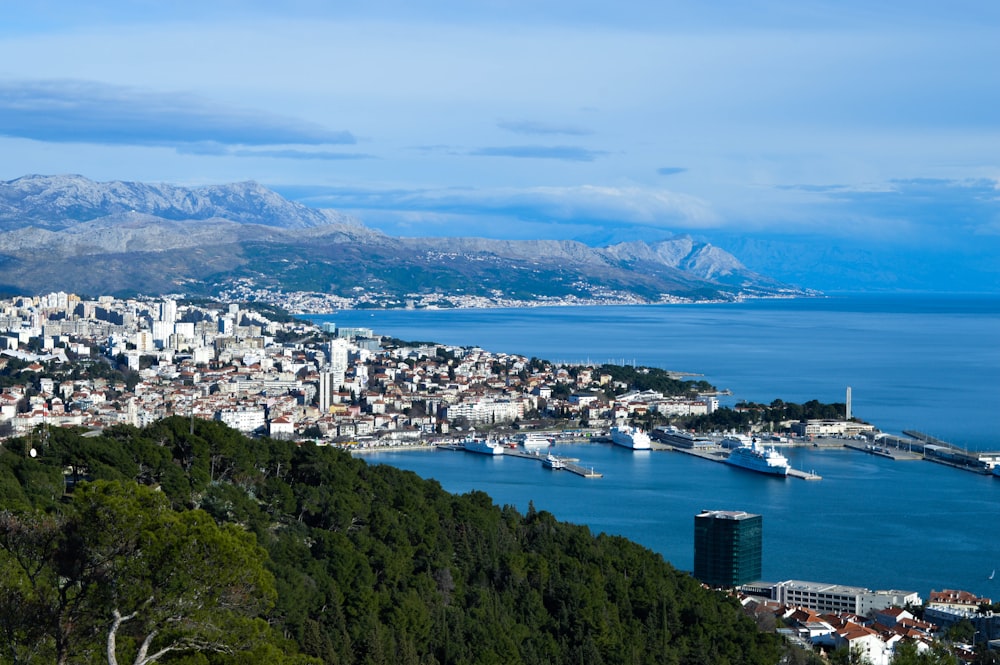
<point x="720" y="455"/>
<point x="550" y="461"/>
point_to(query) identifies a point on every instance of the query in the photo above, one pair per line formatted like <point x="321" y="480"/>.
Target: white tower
<point x="168" y="311"/>
<point x="848" y="402"/>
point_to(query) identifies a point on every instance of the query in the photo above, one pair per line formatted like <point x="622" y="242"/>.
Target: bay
<point x="869" y="522"/>
<point x="914" y="362"/>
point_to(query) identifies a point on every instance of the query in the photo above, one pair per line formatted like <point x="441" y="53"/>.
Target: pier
<point x="898" y="454"/>
<point x="570" y="464"/>
<point x="917" y="445"/>
<point x="580" y="470"/>
<point x="720" y="455"/>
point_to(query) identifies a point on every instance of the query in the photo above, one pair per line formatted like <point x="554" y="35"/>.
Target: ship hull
<point x="744" y="458"/>
<point x="483" y="447"/>
<point x="630" y="437"/>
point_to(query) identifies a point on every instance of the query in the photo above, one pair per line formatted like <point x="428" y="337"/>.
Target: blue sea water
<point x="929" y="363"/>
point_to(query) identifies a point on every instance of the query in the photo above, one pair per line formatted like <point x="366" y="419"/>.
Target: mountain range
<point x="122" y="238"/>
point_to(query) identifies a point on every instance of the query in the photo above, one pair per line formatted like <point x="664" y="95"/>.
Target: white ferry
<point x="630" y="437"/>
<point x="535" y="441"/>
<point x="762" y="460"/>
<point x="482" y="446"/>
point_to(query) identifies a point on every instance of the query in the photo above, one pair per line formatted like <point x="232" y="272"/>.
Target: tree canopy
<point x="169" y="544"/>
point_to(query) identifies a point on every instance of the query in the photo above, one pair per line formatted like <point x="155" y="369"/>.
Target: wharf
<point x="884" y="451"/>
<point x="719" y="455"/>
<point x="569" y="463"/>
<point x="586" y="472"/>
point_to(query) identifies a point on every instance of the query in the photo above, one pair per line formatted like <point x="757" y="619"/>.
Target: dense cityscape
<point x="283" y="377"/>
<point x="69" y="361"/>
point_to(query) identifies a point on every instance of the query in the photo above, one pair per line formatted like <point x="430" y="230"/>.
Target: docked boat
<point x="630" y="437"/>
<point x="731" y="441"/>
<point x="682" y="439"/>
<point x="535" y="441"/>
<point x="482" y="446"/>
<point x="553" y="462"/>
<point x="757" y="458"/>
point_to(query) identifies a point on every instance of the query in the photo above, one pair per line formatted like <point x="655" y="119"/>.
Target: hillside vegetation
<point x="179" y="546"/>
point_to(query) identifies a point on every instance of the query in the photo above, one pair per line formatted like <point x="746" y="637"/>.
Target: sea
<point x="929" y="363"/>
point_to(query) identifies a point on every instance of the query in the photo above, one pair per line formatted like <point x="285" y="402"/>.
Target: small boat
<point x="992" y="574"/>
<point x="553" y="462"/>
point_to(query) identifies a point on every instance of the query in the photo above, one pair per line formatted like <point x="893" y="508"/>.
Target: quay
<point x="919" y="446"/>
<point x="569" y="463"/>
<point x="720" y="455"/>
<point x="884" y="451"/>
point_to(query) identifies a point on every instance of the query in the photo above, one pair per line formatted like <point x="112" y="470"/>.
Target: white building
<point x="831" y="428"/>
<point x="330" y="383"/>
<point x="245" y="420"/>
<point x="281" y="428"/>
<point x="834" y="598"/>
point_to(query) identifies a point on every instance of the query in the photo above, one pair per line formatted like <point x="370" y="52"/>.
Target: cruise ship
<point x="483" y="446"/>
<point x="681" y="439"/>
<point x="630" y="437"/>
<point x="756" y="458"/>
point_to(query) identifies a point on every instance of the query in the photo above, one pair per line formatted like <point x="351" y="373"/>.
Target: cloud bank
<point x="74" y="111"/>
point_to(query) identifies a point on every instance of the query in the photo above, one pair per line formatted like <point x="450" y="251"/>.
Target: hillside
<point x="361" y="563"/>
<point x="72" y="234"/>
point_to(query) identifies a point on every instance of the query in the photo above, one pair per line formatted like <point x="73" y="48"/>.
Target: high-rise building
<point x="727" y="547"/>
<point x="168" y="311"/>
<point x="338" y="352"/>
<point x="330" y="382"/>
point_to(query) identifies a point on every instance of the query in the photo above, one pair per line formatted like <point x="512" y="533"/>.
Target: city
<point x="95" y="363"/>
<point x="284" y="378"/>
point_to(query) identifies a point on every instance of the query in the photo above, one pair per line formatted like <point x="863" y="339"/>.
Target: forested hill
<point x="313" y="556"/>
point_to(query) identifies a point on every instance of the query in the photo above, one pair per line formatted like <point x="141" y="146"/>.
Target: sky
<point x="810" y="138"/>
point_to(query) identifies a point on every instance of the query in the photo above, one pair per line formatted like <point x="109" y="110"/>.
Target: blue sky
<point x="869" y="128"/>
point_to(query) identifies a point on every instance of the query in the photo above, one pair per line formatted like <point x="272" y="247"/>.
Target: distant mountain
<point x="70" y="233"/>
<point x="59" y="202"/>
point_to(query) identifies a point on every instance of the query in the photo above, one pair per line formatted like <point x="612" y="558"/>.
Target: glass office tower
<point x="727" y="547"/>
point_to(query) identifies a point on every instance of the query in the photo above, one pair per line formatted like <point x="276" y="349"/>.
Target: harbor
<point x="913" y="446"/>
<point x="719" y="454"/>
<point x="570" y="464"/>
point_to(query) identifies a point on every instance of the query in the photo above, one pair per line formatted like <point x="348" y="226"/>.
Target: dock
<point x="719" y="455"/>
<point x="570" y="464"/>
<point x="581" y="470"/>
<point x="897" y="454"/>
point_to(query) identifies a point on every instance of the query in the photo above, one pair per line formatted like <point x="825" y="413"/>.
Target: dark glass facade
<point x="727" y="547"/>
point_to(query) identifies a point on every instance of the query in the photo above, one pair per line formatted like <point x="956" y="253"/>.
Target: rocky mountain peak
<point x="58" y="202"/>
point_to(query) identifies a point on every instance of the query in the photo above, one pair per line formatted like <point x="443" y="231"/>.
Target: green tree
<point x="122" y="574"/>
<point x="849" y="656"/>
<point x="907" y="653"/>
